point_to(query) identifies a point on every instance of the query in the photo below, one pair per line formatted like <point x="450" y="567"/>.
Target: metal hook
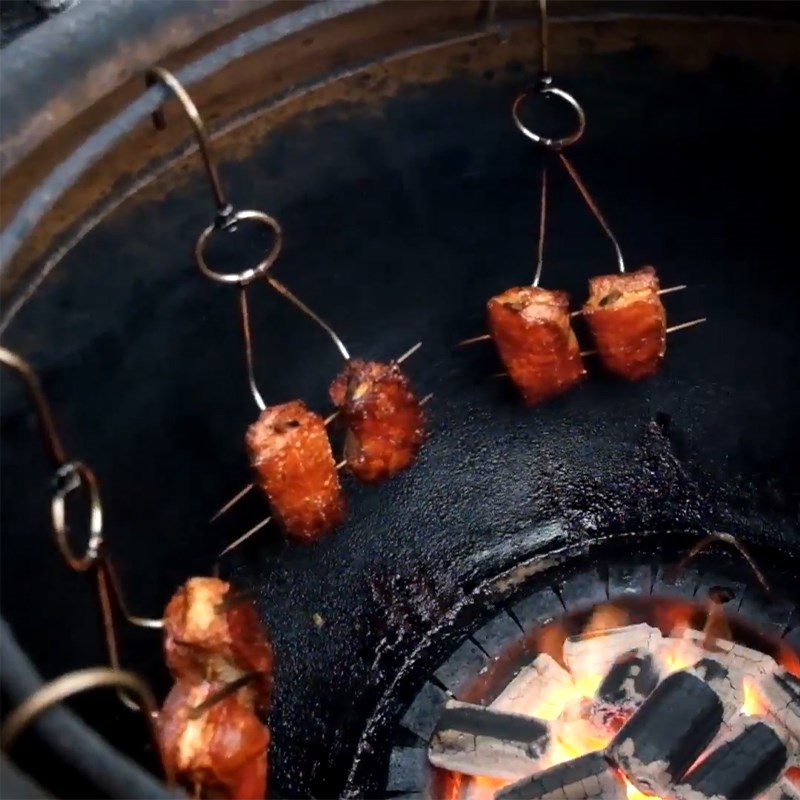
<point x="76" y="475"/>
<point x="73" y="683"/>
<point x="730" y="539"/>
<point x="160" y="75"/>
<point x="46" y="420"/>
<point x="226" y="217"/>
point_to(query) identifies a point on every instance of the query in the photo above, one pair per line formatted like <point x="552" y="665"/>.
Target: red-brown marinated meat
<point x="213" y="635"/>
<point x="291" y="454"/>
<point x="628" y="322"/>
<point x="385" y="425"/>
<point x="221" y="753"/>
<point x="532" y="332"/>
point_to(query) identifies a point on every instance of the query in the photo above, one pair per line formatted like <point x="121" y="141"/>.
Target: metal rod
<point x="292" y="298"/>
<point x="248" y="350"/>
<point x="47" y="424"/>
<point x="161" y="75"/>
<point x="232" y="502"/>
<point x="542" y="218"/>
<point x="544" y="58"/>
<point x="662" y="292"/>
<point x="116" y="585"/>
<point x="73" y="683"/>
<point x="593" y="208"/>
<point x="226" y="691"/>
<point x="244" y="537"/>
<point x="408" y="353"/>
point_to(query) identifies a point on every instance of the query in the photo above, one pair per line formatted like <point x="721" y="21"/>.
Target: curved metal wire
<point x="296" y="301"/>
<point x="729" y="539"/>
<point x="160" y="75"/>
<point x="542" y="220"/>
<point x="72" y="476"/>
<point x="248" y="350"/>
<point x="593" y="208"/>
<point x="47" y="424"/>
<point x="73" y="683"/>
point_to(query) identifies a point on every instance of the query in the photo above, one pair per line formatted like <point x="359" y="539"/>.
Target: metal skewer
<point x="485" y="337"/>
<point x="243" y="492"/>
<point x="264" y="522"/>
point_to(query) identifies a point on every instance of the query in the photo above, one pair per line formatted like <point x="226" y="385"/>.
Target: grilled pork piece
<point x="291" y="454"/>
<point x="628" y="322"/>
<point x="220" y="752"/>
<point x="385" y="426"/>
<point x="211" y="635"/>
<point x="531" y="330"/>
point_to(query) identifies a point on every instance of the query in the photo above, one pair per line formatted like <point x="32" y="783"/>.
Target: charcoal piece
<point x="781" y="692"/>
<point x="478" y="741"/>
<point x="589" y="776"/>
<point x="629" y="581"/>
<point x="595" y="652"/>
<point x="424" y="711"/>
<point x="584" y="590"/>
<point x="670" y="730"/>
<point x="742" y="767"/>
<point x="770" y="615"/>
<point x="672" y="582"/>
<point x="631" y="679"/>
<point x="534" y="688"/>
<point x="727" y="687"/>
<point x="497" y="634"/>
<point x="408" y="770"/>
<point x="463" y="664"/>
<point x="540" y="608"/>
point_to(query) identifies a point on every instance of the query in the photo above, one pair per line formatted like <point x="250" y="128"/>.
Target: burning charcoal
<point x="665" y="736"/>
<point x="586" y="777"/>
<point x="727" y="685"/>
<point x="742" y="767"/>
<point x="592" y="653"/>
<point x="631" y="679"/>
<point x="536" y="689"/>
<point x="781" y="693"/>
<point x="479" y="741"/>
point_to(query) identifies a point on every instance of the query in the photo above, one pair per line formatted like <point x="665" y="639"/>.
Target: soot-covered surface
<point x="398" y="227"/>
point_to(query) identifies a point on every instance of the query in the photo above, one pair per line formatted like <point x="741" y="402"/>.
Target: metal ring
<point x="70" y="477"/>
<point x="555" y="144"/>
<point x="248" y="275"/>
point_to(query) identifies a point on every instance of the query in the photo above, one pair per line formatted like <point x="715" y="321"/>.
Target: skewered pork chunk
<point x="220" y="753"/>
<point x="531" y="330"/>
<point x="291" y="454"/>
<point x="628" y="322"/>
<point x="213" y="635"/>
<point x="385" y="425"/>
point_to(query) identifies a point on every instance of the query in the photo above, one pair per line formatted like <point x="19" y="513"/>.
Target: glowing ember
<point x="574" y="732"/>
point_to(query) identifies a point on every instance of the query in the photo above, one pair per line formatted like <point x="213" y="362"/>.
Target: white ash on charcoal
<point x="593" y="653"/>
<point x="785" y="789"/>
<point x="480" y="741"/>
<point x="670" y="730"/>
<point x="744" y="766"/>
<point x="536" y="689"/>
<point x="735" y="656"/>
<point x="590" y="776"/>
<point x="780" y="692"/>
